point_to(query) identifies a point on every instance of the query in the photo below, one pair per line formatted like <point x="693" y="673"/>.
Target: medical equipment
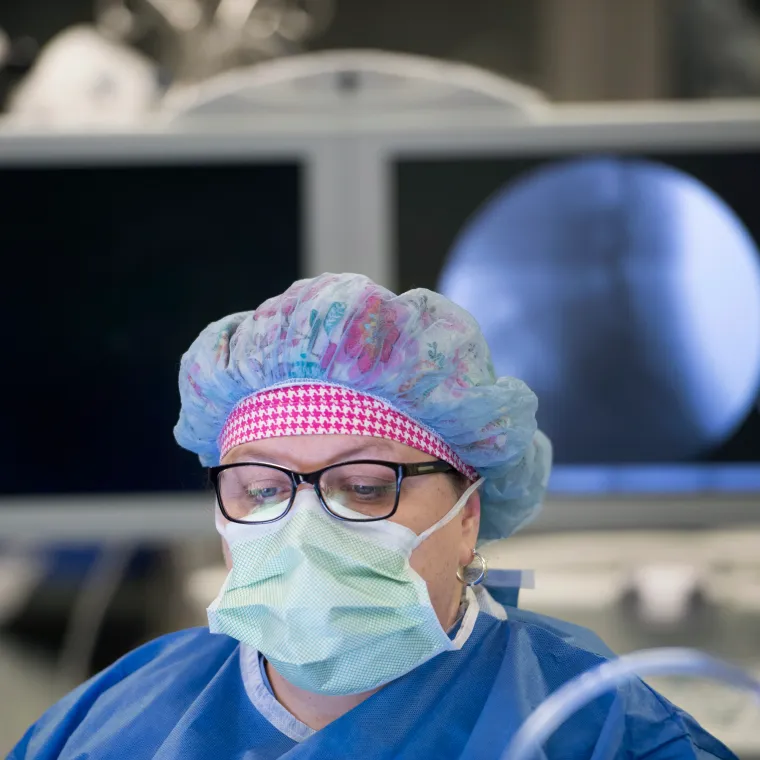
<point x="199" y="38"/>
<point x="82" y="79"/>
<point x="369" y="190"/>
<point x="584" y="688"/>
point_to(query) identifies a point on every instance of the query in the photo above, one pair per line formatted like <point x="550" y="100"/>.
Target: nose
<point x="317" y="494"/>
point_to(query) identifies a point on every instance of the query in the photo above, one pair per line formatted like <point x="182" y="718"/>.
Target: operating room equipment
<point x="584" y="688"/>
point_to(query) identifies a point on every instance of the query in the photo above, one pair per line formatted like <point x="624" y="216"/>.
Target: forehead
<point x="305" y="453"/>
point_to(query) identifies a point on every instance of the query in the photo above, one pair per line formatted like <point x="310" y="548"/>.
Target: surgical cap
<point x="418" y="352"/>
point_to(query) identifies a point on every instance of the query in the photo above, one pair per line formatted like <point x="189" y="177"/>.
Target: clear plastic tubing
<point x="575" y="694"/>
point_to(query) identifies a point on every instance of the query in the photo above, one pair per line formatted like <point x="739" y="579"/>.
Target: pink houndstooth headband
<point x="321" y="409"/>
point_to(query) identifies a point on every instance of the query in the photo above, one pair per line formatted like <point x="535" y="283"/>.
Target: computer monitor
<point x="560" y="289"/>
<point x="385" y="197"/>
<point x="113" y="263"/>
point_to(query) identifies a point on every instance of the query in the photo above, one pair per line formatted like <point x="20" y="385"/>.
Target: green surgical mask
<point x="334" y="606"/>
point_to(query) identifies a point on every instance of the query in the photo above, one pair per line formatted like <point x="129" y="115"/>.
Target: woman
<point x="360" y="446"/>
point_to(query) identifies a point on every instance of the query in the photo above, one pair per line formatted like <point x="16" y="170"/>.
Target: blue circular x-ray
<point x="627" y="295"/>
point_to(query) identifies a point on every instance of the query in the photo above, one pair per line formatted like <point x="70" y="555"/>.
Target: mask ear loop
<point x="451" y="514"/>
<point x="220" y="521"/>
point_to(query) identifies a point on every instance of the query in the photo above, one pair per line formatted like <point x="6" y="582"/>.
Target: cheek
<point x="436" y="560"/>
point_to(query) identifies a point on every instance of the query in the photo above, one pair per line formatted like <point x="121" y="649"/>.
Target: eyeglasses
<point x="361" y="491"/>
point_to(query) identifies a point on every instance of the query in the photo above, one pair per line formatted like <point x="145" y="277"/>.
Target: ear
<point x="470" y="528"/>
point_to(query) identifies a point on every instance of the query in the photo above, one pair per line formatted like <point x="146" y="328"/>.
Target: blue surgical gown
<point x="197" y="696"/>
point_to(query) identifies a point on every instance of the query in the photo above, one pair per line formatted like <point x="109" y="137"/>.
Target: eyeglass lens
<point x="353" y="491"/>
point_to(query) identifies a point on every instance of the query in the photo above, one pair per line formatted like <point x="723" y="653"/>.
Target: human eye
<point x="261" y="494"/>
<point x="253" y="486"/>
<point x="368" y="491"/>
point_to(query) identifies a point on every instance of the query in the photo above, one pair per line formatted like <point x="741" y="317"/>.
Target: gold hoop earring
<point x="482" y="574"/>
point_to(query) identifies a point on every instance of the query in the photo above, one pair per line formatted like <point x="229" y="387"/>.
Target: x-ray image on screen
<point x="626" y="292"/>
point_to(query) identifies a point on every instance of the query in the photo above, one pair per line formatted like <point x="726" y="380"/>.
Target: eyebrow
<point x="372" y="445"/>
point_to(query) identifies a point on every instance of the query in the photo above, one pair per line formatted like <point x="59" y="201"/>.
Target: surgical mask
<point x="334" y="606"/>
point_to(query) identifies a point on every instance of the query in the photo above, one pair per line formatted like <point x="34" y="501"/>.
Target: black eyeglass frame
<point x="409" y="470"/>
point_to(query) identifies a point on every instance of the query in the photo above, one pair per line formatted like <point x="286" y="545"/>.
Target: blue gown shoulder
<point x="633" y="721"/>
<point x="141" y="680"/>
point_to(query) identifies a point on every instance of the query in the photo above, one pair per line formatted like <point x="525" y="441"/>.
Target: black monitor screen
<point x="109" y="274"/>
<point x="624" y="289"/>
